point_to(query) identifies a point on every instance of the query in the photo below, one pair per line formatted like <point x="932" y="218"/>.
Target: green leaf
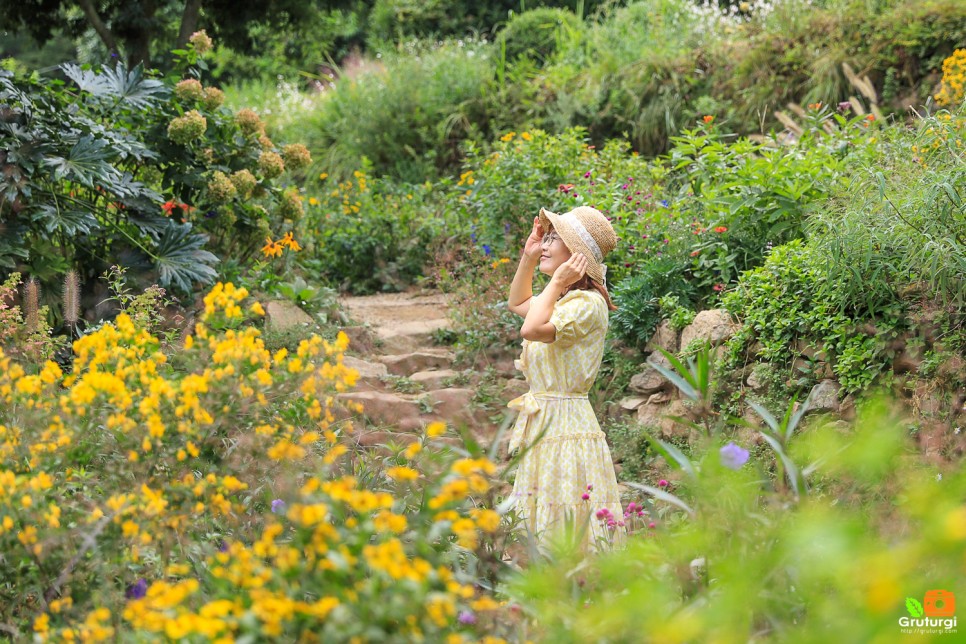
<point x="129" y="87"/>
<point x="181" y="260"/>
<point x="674" y="457"/>
<point x="87" y="163"/>
<point x="914" y="607"/>
<point x="71" y="222"/>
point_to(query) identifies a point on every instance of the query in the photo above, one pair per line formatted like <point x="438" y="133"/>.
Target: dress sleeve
<point x="573" y="318"/>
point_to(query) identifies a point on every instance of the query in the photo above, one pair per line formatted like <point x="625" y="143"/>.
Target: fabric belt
<point x="529" y="404"/>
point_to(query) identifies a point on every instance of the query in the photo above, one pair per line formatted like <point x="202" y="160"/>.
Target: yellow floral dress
<point x="568" y="470"/>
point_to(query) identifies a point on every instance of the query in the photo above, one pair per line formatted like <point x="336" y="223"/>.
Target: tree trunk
<point x="140" y="41"/>
<point x="95" y="21"/>
<point x="189" y="22"/>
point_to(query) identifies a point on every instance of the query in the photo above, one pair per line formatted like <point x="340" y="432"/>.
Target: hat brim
<point x="572" y="241"/>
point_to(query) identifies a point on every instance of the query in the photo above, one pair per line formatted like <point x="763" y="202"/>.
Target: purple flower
<point x="472" y="238"/>
<point x="466" y="617"/>
<point x="733" y="457"/>
<point x="845" y="106"/>
<point x="223" y="546"/>
<point x="137" y="590"/>
<point x="664" y="203"/>
<point x="506" y="227"/>
<point x="278" y="506"/>
<point x="486" y="250"/>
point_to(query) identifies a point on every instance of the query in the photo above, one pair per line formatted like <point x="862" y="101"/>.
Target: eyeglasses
<point x="550" y="238"/>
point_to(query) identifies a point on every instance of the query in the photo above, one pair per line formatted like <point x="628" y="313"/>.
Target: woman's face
<point x="553" y="253"/>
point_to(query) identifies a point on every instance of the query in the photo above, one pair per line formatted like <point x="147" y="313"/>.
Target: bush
<point x="727" y="554"/>
<point x="369" y="234"/>
<point x="121" y="167"/>
<point x="791" y="299"/>
<point x="534" y="34"/>
<point x="408" y="116"/>
<point x="222" y="499"/>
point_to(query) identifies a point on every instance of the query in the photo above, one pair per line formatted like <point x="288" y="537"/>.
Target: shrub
<point x="369" y="234"/>
<point x="791" y="299"/>
<point x="223" y="499"/>
<point x="115" y="168"/>
<point x="534" y="34"/>
<point x="407" y="115"/>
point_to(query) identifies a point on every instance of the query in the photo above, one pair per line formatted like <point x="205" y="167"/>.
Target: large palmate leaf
<point x="70" y="221"/>
<point x="87" y="163"/>
<point x="127" y="86"/>
<point x="181" y="259"/>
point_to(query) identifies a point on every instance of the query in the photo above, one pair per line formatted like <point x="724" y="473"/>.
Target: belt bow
<point x="529" y="404"/>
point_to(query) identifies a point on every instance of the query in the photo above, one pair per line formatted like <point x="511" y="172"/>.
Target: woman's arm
<point x="536" y="325"/>
<point x="521" y="289"/>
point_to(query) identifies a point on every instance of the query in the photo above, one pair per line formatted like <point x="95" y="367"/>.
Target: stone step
<point x="433" y="379"/>
<point x="404" y="364"/>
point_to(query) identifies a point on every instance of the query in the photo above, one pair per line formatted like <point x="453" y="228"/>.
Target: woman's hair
<point x="586" y="283"/>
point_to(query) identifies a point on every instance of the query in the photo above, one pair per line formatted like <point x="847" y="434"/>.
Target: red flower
<point x="169" y="207"/>
<point x="695" y="253"/>
<point x="565" y="187"/>
<point x="717" y="287"/>
<point x="720" y="229"/>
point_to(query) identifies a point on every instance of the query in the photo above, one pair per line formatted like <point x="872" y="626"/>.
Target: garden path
<point x="406" y="380"/>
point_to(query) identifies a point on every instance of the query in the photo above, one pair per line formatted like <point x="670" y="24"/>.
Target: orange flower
<point x="289" y="240"/>
<point x="695" y="253"/>
<point x="708" y="118"/>
<point x="271" y="248"/>
<point x="815" y="106"/>
<point x="720" y="229"/>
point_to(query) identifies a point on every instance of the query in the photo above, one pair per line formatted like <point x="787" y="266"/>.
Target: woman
<point x="567" y="471"/>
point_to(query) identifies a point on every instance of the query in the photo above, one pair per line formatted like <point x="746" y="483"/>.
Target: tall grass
<point x="408" y="116"/>
<point x="901" y="224"/>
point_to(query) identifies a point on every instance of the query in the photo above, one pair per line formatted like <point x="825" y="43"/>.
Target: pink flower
<point x="652" y="525"/>
<point x="717" y="287"/>
<point x="662" y="483"/>
<point x="590" y="487"/>
<point x="585" y="496"/>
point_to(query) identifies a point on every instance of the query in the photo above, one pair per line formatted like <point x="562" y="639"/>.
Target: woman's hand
<point x="570" y="271"/>
<point x="533" y="246"/>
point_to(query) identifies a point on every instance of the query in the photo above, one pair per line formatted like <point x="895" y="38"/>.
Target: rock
<point x="631" y="404"/>
<point x="506" y="368"/>
<point x="433" y="379"/>
<point x="665" y="337"/>
<point x="282" y="315"/>
<point x="655" y="415"/>
<point x="651" y="380"/>
<point x="808" y="351"/>
<point x="382" y="407"/>
<point x="824" y="397"/>
<point x="714" y="325"/>
<point x="361" y="338"/>
<point x="754" y="381"/>
<point x="407" y="363"/>
<point x="932" y="439"/>
<point x="514" y="388"/>
<point x="453" y="405"/>
<point x="847" y="408"/>
<point x="369" y="439"/>
<point x="367" y="370"/>
<point x="659" y="397"/>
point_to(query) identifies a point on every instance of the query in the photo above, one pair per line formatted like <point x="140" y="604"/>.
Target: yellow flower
<point x="402" y="473"/>
<point x="436" y="429"/>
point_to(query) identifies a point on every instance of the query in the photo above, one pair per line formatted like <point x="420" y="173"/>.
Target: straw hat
<point x="584" y="230"/>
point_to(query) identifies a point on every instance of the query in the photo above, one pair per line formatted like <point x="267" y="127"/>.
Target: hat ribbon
<point x="585" y="236"/>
